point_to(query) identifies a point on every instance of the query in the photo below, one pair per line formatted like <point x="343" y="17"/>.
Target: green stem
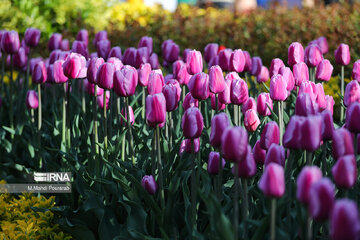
<point x="83" y="106"/>
<point x="153" y="157"/>
<point x="236" y="201"/>
<point x="239" y="111"/>
<point x="39" y="109"/>
<point x="308" y="157"/>
<point x="131" y="146"/>
<point x="216" y="103"/>
<point x="309" y="227"/>
<point x="64" y="103"/>
<point x="11" y="95"/>
<point x="193" y="186"/>
<point x="105" y="126"/>
<point x="3" y="59"/>
<point x="245" y="208"/>
<point x="96" y="139"/>
<point x="160" y="176"/>
<point x="324" y="159"/>
<point x="32" y="116"/>
<point x="143" y="104"/>
<point x="171" y="130"/>
<point x="281" y="120"/>
<point x="68" y="127"/>
<point x="110" y="119"/>
<point x="273" y="219"/>
<point x="220" y="177"/>
<point x="355" y="145"/>
<point x="236" y="115"/>
<point x="342" y="94"/>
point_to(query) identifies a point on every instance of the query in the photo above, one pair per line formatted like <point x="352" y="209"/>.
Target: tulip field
<point x="183" y="143"/>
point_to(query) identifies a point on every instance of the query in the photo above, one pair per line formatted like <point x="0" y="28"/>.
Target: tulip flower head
<point x="345" y="171"/>
<point x="213" y="163"/>
<point x="32" y="99"/>
<point x="199" y="86"/>
<point x="32" y="37"/>
<point x="194" y="62"/>
<point x="149" y="184"/>
<point x="272" y="181"/>
<point x="324" y="70"/>
<point x="125" y="81"/>
<point x="308" y="176"/>
<point x="239" y="93"/>
<point x="278" y="87"/>
<point x="75" y="66"/>
<point x="251" y="120"/>
<point x="10" y="42"/>
<point x="234" y="142"/>
<point x="219" y="123"/>
<point x="342" y="54"/>
<point x="210" y="51"/>
<point x="275" y="154"/>
<point x="216" y="80"/>
<point x="54" y="41"/>
<point x="192" y="123"/>
<point x="295" y="53"/>
<point x="322" y="199"/>
<point x="155" y="109"/>
<point x="275" y="66"/>
<point x="259" y="153"/>
<point x="342" y="143"/>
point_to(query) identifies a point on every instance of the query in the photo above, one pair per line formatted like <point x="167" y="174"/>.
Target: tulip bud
<point x="194" y="62"/>
<point x="308" y="88"/>
<point x="210" y="51"/>
<point x="116" y="62"/>
<point x="93" y="67"/>
<point x="352" y="93"/>
<point x="20" y="59"/>
<point x="199" y="86"/>
<point x="232" y="76"/>
<point x="213" y="163"/>
<point x="313" y="55"/>
<point x="32" y="99"/>
<point x="248" y="64"/>
<point x="170" y="51"/>
<point x="155" y="109"/>
<point x="234" y="142"/>
<point x="224" y="97"/>
<point x="172" y="95"/>
<point x="352" y="117"/>
<point x="249" y="104"/>
<point x="142" y="56"/>
<point x="247" y="168"/>
<point x="144" y="73"/>
<point x="129" y="57"/>
<point x="180" y="72"/>
<point x="101" y="35"/>
<point x="54" y="41"/>
<point x="304" y="106"/>
<point x="289" y="77"/>
<point x="50" y="74"/>
<point x="301" y="73"/>
<point x="295" y="54"/>
<point x="356" y="71"/>
<point x="324" y="70"/>
<point x="342" y="54"/>
<point x="216" y="80"/>
<point x="81" y="48"/>
<point x="10" y="42"/>
<point x="237" y="61"/>
<point x="65" y="45"/>
<point x="322" y="199"/>
<point x="103" y="48"/>
<point x="154" y="61"/>
<point x="32" y="37"/>
<point x="149" y="184"/>
<point x="100" y="100"/>
<point x="342" y="143"/>
<point x="239" y="93"/>
<point x="322" y="43"/>
<point x="125" y="81"/>
<point x="251" y="120"/>
<point x="278" y="88"/>
<point x="39" y="73"/>
<point x="214" y="61"/>
<point x="311" y="133"/>
<point x="263" y="103"/>
<point x="189" y="102"/>
<point x="124" y="113"/>
<point x="190" y="146"/>
<point x="256" y="65"/>
<point x="58" y="72"/>
<point x="263" y="76"/>
<point x="327" y="126"/>
<point x="292" y="135"/>
<point x="105" y="76"/>
<point x="259" y="153"/>
<point x="275" y="154"/>
<point x="83" y="36"/>
<point x="224" y="59"/>
<point x="308" y="176"/>
<point x="91" y="90"/>
<point x="345" y="171"/>
<point x="220" y="105"/>
<point x="147" y="42"/>
<point x="344" y="220"/>
<point x="75" y="66"/>
<point x="329" y="103"/>
<point x="115" y="52"/>
<point x="272" y="181"/>
<point x="219" y="123"/>
<point x="270" y="135"/>
<point x="192" y="123"/>
<point x="275" y="66"/>
<point x="156" y="82"/>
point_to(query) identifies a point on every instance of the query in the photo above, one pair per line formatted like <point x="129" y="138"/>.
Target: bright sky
<point x="167" y="4"/>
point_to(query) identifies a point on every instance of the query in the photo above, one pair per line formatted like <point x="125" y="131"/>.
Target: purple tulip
<point x="329" y="103"/>
<point x="149" y="184"/>
<point x="275" y="66"/>
<point x="352" y="93"/>
<point x="142" y="56"/>
<point x="311" y="133"/>
<point x="172" y="95"/>
<point x="259" y="153"/>
<point x="324" y="70"/>
<point x="210" y="51"/>
<point x="54" y="41"/>
<point x="344" y="220"/>
<point x="103" y="48"/>
<point x="180" y="72"/>
<point x="154" y="61"/>
<point x="295" y="54"/>
<point x="263" y="103"/>
<point x="275" y="154"/>
<point x="352" y="118"/>
<point x="219" y="123"/>
<point x="32" y="37"/>
<point x="32" y="99"/>
<point x="292" y="135"/>
<point x="147" y="42"/>
<point x="327" y="126"/>
<point x="248" y="64"/>
<point x="170" y="51"/>
<point x="313" y="55"/>
<point x="322" y="42"/>
<point x="129" y="57"/>
<point x="356" y="71"/>
<point x="213" y="163"/>
<point x="185" y="53"/>
<point x="237" y="61"/>
<point x="115" y="52"/>
<point x="249" y="104"/>
<point x="289" y="77"/>
<point x="251" y="120"/>
<point x="65" y="45"/>
<point x="263" y="76"/>
<point x="125" y="81"/>
<point x="20" y="59"/>
<point x="100" y="99"/>
<point x="144" y="73"/>
<point x="272" y="181"/>
<point x="301" y="73"/>
<point x="256" y="65"/>
<point x="50" y="74"/>
<point x="239" y="93"/>
<point x="308" y="88"/>
<point x="105" y="76"/>
<point x="155" y="109"/>
<point x="232" y="76"/>
<point x="22" y="45"/>
<point x="345" y="171"/>
<point x="308" y="176"/>
<point x="80" y="47"/>
<point x="322" y="199"/>
<point x="234" y="142"/>
<point x="304" y="106"/>
<point x="342" y="54"/>
<point x="102" y="35"/>
<point x="75" y="66"/>
<point x="83" y="36"/>
<point x="10" y="42"/>
<point x="224" y="97"/>
<point x="278" y="87"/>
<point x="58" y="72"/>
<point x="39" y="73"/>
<point x="342" y="143"/>
<point x="90" y="88"/>
<point x="156" y="82"/>
<point x="190" y="146"/>
<point x="117" y="63"/>
<point x="189" y="102"/>
<point x="192" y="123"/>
<point x="270" y="135"/>
<point x="224" y="59"/>
<point x="93" y="67"/>
<point x="33" y="62"/>
<point x="247" y="167"/>
<point x="194" y="62"/>
<point x="199" y="86"/>
<point x="216" y="80"/>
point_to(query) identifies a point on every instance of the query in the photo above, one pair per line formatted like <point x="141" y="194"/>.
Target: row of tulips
<point x="302" y="124"/>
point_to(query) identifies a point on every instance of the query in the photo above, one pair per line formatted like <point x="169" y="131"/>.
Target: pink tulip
<point x="272" y="181"/>
<point x="100" y="100"/>
<point x="342" y="54"/>
<point x="192" y="123"/>
<point x="213" y="163"/>
<point x="239" y="93"/>
<point x="232" y="76"/>
<point x="275" y="66"/>
<point x="39" y="73"/>
<point x="249" y="104"/>
<point x="149" y="184"/>
<point x="304" y="106"/>
<point x="103" y="48"/>
<point x="220" y="105"/>
<point x="224" y="59"/>
<point x="345" y="171"/>
<point x="101" y="35"/>
<point x="327" y="126"/>
<point x="289" y="77"/>
<point x="251" y="120"/>
<point x="155" y="109"/>
<point x="234" y="142"/>
<point x="295" y="54"/>
<point x="263" y="76"/>
<point x="275" y="154"/>
<point x="224" y="97"/>
<point x="356" y="71"/>
<point x="190" y="146"/>
<point x="248" y="64"/>
<point x="259" y="153"/>
<point x="216" y="80"/>
<point x="301" y="73"/>
<point x="313" y="55"/>
<point x="270" y="135"/>
<point x="75" y="66"/>
<point x="278" y="89"/>
<point x="80" y="47"/>
<point x="172" y="95"/>
<point x="247" y="167"/>
<point x="32" y="99"/>
<point x="210" y="51"/>
<point x="54" y="41"/>
<point x="93" y="67"/>
<point x="32" y="37"/>
<point x="146" y="41"/>
<point x="237" y="61"/>
<point x="256" y="65"/>
<point x="144" y="73"/>
<point x="189" y="102"/>
<point x="117" y="63"/>
<point x="156" y="82"/>
<point x="329" y="103"/>
<point x="83" y="36"/>
<point x="324" y="70"/>
<point x="263" y="103"/>
<point x="199" y="86"/>
<point x="322" y="43"/>
<point x="194" y="62"/>
<point x="308" y="176"/>
<point x="352" y="93"/>
<point x="342" y="143"/>
<point x="90" y="88"/>
<point x="125" y="81"/>
<point x="115" y="52"/>
<point x="59" y="76"/>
